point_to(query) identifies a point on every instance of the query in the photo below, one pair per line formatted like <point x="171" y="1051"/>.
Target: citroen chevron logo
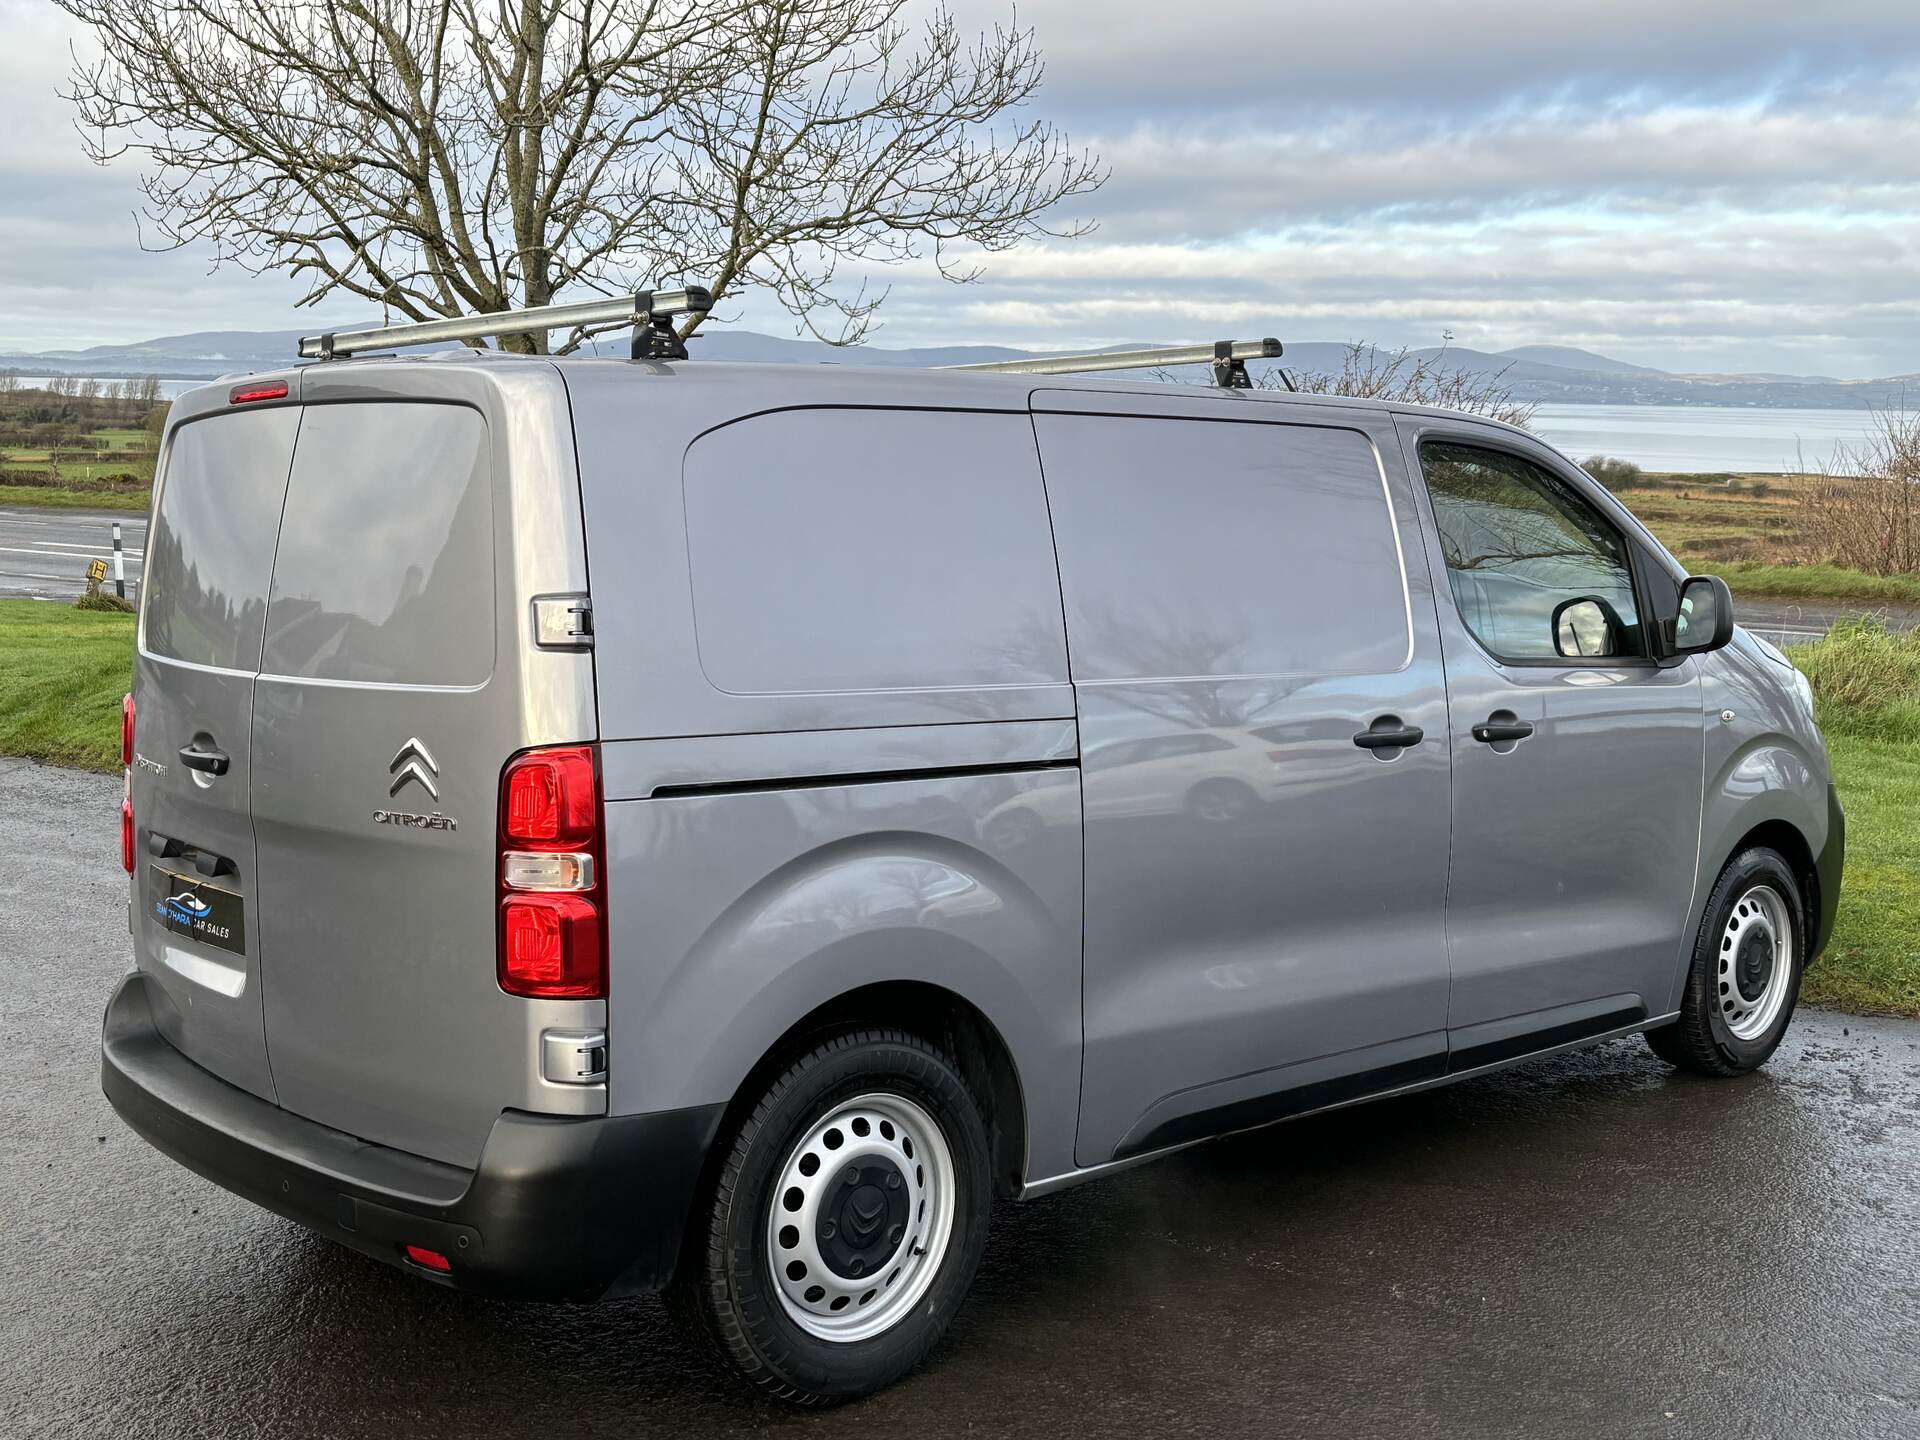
<point x="414" y="762"/>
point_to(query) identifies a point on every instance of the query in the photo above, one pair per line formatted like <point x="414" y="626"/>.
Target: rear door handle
<point x="1387" y="733"/>
<point x="1493" y="731"/>
<point x="207" y="761"/>
<point x="166" y="847"/>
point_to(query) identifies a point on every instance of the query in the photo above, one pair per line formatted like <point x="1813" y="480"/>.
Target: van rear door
<point x="194" y="887"/>
<point x="381" y="723"/>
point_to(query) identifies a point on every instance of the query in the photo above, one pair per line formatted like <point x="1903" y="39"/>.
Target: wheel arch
<point x="934" y="1013"/>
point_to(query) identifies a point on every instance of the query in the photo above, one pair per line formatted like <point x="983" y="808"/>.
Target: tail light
<point x="552" y="920"/>
<point x="126" y="783"/>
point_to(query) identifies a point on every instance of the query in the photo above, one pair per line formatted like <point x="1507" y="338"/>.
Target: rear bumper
<point x="1828" y="866"/>
<point x="558" y="1209"/>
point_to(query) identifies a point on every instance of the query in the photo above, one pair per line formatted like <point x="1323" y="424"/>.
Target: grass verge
<point x="1816" y="582"/>
<point x="1872" y="964"/>
<point x="62" y="673"/>
<point x="59" y="497"/>
<point x="1866" y="688"/>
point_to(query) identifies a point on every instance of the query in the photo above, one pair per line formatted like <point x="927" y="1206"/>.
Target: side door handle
<point x="1502" y="726"/>
<point x="208" y="759"/>
<point x="1387" y="733"/>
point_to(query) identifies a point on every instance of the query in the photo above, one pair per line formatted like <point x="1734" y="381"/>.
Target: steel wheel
<point x="1755" y="963"/>
<point x="862" y="1213"/>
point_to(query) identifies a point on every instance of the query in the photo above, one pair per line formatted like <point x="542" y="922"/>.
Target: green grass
<point x="1866" y="688"/>
<point x="62" y="673"/>
<point x="1817" y="582"/>
<point x="49" y="497"/>
<point x="1872" y="964"/>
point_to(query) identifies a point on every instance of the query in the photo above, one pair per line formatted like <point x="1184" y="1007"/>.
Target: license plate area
<point x="194" y="909"/>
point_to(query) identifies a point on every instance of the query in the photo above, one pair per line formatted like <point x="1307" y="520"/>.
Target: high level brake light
<point x="126" y="783"/>
<point x="552" y="927"/>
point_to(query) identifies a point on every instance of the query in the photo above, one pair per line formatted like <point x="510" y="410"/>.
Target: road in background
<point x="44" y="553"/>
<point x="1584" y="1245"/>
<point x="1794" y="622"/>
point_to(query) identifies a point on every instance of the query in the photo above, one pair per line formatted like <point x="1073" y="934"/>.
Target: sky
<point x="1699" y="185"/>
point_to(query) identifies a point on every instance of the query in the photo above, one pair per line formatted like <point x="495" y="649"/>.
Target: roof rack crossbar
<point x="1227" y="357"/>
<point x="650" y="311"/>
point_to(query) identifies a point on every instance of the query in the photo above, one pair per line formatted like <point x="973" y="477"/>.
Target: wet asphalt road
<point x="44" y="552"/>
<point x="1583" y="1246"/>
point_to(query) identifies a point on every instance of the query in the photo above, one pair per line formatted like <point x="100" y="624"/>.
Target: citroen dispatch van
<point x="599" y="826"/>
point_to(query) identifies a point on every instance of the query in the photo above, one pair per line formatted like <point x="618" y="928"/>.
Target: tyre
<point x="1745" y="976"/>
<point x="844" y="1222"/>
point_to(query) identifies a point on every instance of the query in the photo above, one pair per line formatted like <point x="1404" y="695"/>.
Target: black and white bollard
<point x="119" y="565"/>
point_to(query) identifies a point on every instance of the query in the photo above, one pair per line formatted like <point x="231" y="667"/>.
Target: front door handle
<point x="208" y="760"/>
<point x="1502" y="725"/>
<point x="1387" y="733"/>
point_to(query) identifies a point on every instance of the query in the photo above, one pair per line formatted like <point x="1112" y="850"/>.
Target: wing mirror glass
<point x="1705" y="621"/>
<point x="1586" y="628"/>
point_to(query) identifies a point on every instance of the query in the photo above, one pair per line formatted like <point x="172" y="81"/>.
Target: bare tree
<point x="1414" y="379"/>
<point x="446" y="157"/>
<point x="1864" y="510"/>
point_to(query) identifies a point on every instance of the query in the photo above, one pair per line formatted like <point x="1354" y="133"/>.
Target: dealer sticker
<point x="197" y="910"/>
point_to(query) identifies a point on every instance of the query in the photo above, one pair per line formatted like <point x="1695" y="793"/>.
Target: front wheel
<point x="1745" y="976"/>
<point x="845" y="1222"/>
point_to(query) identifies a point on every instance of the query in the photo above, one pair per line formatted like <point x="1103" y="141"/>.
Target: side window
<point x="848" y="549"/>
<point x="385" y="568"/>
<point x="1207" y="548"/>
<point x="212" y="543"/>
<point x="1523" y="551"/>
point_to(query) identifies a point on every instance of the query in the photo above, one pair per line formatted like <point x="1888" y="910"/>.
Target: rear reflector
<point x="246" y="394"/>
<point x="126" y="730"/>
<point x="429" y="1259"/>
<point x="550" y="947"/>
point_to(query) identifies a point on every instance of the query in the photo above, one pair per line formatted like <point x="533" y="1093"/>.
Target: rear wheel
<point x="846" y="1220"/>
<point x="1745" y="976"/>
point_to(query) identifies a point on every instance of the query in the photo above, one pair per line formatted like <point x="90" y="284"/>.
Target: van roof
<point x="972" y="382"/>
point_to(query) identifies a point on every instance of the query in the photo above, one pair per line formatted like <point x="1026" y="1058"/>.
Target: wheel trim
<point x="879" y="1132"/>
<point x="1756" y="946"/>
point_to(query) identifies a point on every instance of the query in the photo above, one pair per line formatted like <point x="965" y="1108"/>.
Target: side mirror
<point x="1586" y="628"/>
<point x="1705" y="621"/>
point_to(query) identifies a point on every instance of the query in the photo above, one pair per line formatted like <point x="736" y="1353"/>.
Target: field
<point x="62" y="673"/>
<point x="83" y="443"/>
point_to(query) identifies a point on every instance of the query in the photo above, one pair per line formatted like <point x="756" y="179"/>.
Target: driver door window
<point x="1535" y="570"/>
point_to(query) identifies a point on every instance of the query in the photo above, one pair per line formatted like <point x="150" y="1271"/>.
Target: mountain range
<point x="1544" y="373"/>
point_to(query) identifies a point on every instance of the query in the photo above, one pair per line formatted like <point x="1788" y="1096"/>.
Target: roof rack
<point x="650" y="312"/>
<point x="1227" y="357"/>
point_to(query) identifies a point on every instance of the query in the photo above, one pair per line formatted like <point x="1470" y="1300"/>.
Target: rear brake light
<point x="552" y="928"/>
<point x="549" y="799"/>
<point x="126" y="821"/>
<point x="550" y="947"/>
<point x="246" y="394"/>
<point x="126" y="782"/>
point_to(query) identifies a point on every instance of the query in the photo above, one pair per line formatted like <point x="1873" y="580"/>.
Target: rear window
<point x="836" y="550"/>
<point x="211" y="549"/>
<point x="385" y="569"/>
<point x="1202" y="548"/>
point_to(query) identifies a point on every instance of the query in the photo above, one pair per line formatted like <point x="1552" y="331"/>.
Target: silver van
<point x="612" y="825"/>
